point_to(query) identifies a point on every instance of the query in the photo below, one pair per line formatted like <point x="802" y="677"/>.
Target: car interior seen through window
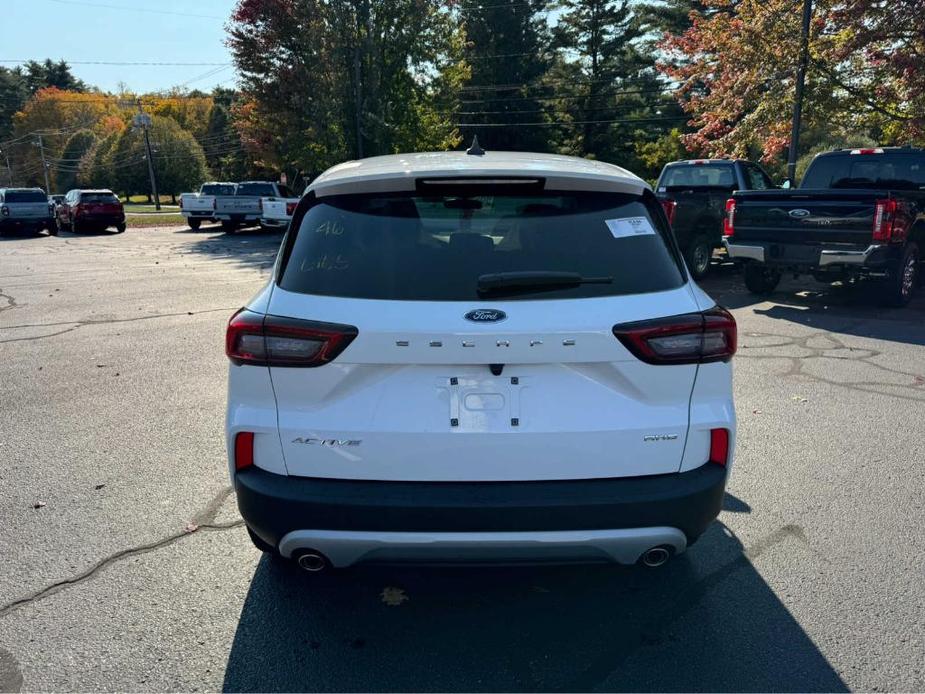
<point x="415" y="247"/>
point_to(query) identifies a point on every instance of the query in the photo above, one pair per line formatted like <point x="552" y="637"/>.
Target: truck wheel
<point x="898" y="290"/>
<point x="760" y="279"/>
<point x="52" y="228"/>
<point x="120" y="228"/>
<point x="228" y="226"/>
<point x="194" y="223"/>
<point x="698" y="257"/>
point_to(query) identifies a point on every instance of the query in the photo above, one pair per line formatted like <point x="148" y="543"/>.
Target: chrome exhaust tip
<point x="312" y="562"/>
<point x="656" y="556"/>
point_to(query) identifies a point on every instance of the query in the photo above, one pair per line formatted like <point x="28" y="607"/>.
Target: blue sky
<point x="122" y="31"/>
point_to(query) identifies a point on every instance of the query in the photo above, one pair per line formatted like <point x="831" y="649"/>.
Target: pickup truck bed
<point x="839" y="233"/>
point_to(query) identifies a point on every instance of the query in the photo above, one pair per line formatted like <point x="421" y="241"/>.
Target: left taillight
<point x="290" y="208"/>
<point x="243" y="450"/>
<point x="258" y="340"/>
<point x="691" y="338"/>
<point x="729" y="218"/>
<point x="669" y="206"/>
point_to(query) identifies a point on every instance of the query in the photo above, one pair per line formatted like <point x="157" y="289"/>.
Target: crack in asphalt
<point x="10" y="302"/>
<point x="89" y="321"/>
<point x="673" y="610"/>
<point x="916" y="392"/>
<point x="204" y="520"/>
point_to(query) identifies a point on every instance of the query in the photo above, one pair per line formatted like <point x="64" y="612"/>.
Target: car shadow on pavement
<point x="705" y="621"/>
<point x="851" y="309"/>
<point x="250" y="247"/>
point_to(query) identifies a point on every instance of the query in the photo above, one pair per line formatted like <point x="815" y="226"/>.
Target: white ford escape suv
<point x="471" y="356"/>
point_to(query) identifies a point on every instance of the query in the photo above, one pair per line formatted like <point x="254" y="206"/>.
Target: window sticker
<point x="629" y="226"/>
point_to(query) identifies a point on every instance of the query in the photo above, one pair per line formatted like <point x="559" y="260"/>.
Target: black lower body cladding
<point x="273" y="505"/>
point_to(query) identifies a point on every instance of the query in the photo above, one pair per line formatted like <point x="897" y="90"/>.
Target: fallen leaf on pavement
<point x="393" y="596"/>
<point x="190" y="527"/>
<point x="99" y="486"/>
<point x="39" y="504"/>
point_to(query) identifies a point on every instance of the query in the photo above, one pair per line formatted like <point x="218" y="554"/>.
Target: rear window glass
<point x="900" y="171"/>
<point x="256" y="189"/>
<point x="217" y="189"/>
<point x="699" y="175"/>
<point x="435" y="247"/>
<point x="98" y="197"/>
<point x="25" y="196"/>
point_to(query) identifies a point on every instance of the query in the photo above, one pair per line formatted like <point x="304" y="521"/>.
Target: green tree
<point x="40" y="75"/>
<point x="76" y="147"/>
<point x="323" y="82"/>
<point x="13" y="94"/>
<point x="509" y="50"/>
<point x="96" y="166"/>
<point x="654" y="154"/>
<point x="179" y="162"/>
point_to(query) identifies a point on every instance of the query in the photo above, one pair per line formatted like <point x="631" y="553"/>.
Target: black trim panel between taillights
<point x="690" y="338"/>
<point x="264" y="340"/>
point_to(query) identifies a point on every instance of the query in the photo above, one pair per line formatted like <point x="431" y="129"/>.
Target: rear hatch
<point x="810" y="217"/>
<point x="443" y="381"/>
<point x="26" y="205"/>
<point x="100" y="205"/>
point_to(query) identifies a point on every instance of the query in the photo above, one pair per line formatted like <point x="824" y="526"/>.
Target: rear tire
<point x="194" y="224"/>
<point x="698" y="256"/>
<point x="120" y="228"/>
<point x="897" y="291"/>
<point x="229" y="227"/>
<point x="52" y="229"/>
<point x="259" y="543"/>
<point x="760" y="279"/>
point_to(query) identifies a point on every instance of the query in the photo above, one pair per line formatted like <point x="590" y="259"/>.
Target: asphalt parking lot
<point x="125" y="567"/>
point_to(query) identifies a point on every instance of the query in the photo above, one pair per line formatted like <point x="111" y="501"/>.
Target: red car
<point x="90" y="210"/>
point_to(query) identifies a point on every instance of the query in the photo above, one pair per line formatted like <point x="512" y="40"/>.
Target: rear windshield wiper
<point x="535" y="279"/>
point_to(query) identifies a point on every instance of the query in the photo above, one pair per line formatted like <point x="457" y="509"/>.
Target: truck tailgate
<point x="806" y="216"/>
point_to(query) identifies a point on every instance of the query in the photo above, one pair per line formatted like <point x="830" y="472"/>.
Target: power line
<point x="124" y="63"/>
<point x="570" y="123"/>
<point x="135" y="9"/>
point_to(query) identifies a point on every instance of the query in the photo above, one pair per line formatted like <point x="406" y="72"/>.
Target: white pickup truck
<point x="276" y="213"/>
<point x="199" y="207"/>
<point x="245" y="207"/>
<point x="26" y="209"/>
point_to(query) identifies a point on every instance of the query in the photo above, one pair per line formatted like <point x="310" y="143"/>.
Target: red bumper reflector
<point x="719" y="446"/>
<point x="243" y="450"/>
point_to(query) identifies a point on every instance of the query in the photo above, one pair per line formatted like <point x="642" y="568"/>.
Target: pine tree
<point x="508" y="48"/>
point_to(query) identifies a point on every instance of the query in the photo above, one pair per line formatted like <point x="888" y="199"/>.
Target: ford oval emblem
<point x="799" y="212"/>
<point x="486" y="315"/>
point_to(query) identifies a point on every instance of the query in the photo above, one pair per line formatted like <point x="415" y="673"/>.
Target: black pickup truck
<point x="694" y="194"/>
<point x="858" y="213"/>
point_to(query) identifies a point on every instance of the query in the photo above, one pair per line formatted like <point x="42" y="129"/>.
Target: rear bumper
<point x="270" y="222"/>
<point x="819" y="256"/>
<point x="225" y="217"/>
<point x="487" y="517"/>
<point x="198" y="214"/>
<point x="28" y="223"/>
<point x="105" y="219"/>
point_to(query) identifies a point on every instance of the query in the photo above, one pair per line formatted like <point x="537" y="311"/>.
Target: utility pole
<point x="143" y="120"/>
<point x="44" y="164"/>
<point x="798" y="97"/>
<point x="9" y="171"/>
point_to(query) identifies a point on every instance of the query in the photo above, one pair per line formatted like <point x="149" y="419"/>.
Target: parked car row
<point x="238" y="205"/>
<point x="857" y="214"/>
<point x="31" y="210"/>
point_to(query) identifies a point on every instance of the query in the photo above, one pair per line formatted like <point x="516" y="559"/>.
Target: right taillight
<point x="692" y="338"/>
<point x="884" y="218"/>
<point x="669" y="206"/>
<point x="260" y="340"/>
<point x="290" y="208"/>
<point x="729" y="218"/>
